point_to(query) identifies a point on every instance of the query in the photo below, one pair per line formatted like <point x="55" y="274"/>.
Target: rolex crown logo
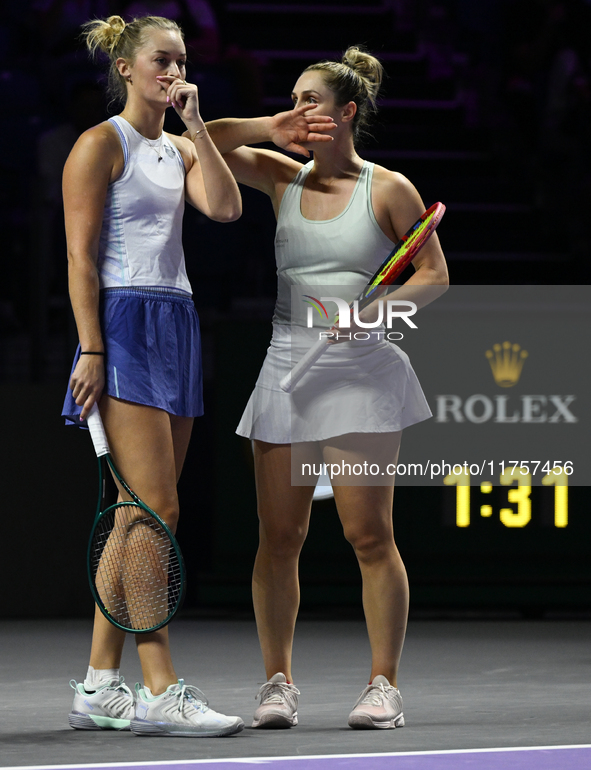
<point x="506" y="362"/>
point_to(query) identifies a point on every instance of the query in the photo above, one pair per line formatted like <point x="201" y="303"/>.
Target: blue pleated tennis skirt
<point x="152" y="351"/>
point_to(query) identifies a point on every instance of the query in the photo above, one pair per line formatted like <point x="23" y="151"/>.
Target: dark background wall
<point x="487" y="107"/>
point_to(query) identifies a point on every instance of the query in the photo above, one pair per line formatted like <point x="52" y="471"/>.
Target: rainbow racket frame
<point x="403" y="253"/>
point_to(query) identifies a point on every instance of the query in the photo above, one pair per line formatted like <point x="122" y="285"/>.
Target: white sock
<point x="99" y="677"/>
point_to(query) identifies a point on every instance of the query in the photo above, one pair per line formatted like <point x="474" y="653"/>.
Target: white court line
<point x="264" y="760"/>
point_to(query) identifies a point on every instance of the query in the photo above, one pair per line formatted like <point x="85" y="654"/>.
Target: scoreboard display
<point x="508" y="384"/>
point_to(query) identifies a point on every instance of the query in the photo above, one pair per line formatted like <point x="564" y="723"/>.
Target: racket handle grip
<point x="305" y="363"/>
<point x="97" y="431"/>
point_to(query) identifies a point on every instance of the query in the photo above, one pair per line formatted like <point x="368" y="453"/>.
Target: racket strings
<point x="136" y="570"/>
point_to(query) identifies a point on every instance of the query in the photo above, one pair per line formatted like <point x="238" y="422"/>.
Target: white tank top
<point x="343" y="251"/>
<point x="141" y="236"/>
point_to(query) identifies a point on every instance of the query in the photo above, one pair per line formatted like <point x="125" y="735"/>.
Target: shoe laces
<point x="275" y="692"/>
<point x="190" y="694"/>
<point x="374" y="694"/>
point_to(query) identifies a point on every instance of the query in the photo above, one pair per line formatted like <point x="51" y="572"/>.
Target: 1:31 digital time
<point x="519" y="495"/>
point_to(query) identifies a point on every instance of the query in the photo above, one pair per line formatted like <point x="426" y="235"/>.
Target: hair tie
<point x="118" y="34"/>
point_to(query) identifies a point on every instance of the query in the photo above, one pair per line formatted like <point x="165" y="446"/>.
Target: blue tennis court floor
<point x="527" y="758"/>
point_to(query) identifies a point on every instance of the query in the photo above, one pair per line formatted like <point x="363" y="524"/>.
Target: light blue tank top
<point x="141" y="236"/>
<point x="341" y="252"/>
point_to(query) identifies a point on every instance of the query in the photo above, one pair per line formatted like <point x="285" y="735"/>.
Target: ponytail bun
<point x="368" y="68"/>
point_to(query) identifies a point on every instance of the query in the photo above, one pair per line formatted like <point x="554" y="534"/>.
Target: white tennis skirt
<point x="355" y="387"/>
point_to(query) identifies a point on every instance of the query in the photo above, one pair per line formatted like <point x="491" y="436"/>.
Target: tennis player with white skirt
<point x="125" y="184"/>
<point x="338" y="217"/>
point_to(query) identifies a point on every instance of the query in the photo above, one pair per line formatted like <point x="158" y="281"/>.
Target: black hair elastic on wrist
<point x="92" y="353"/>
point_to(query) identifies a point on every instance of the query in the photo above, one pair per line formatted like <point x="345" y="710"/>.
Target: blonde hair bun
<point x="103" y="34"/>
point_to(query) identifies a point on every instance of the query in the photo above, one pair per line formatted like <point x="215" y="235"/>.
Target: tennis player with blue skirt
<point x="338" y="217"/>
<point x="125" y="185"/>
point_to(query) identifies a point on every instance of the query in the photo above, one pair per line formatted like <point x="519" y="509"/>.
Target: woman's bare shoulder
<point x="102" y="137"/>
<point x="97" y="147"/>
<point x="392" y="182"/>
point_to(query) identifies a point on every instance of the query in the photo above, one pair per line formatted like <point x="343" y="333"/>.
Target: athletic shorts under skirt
<point x="152" y="351"/>
<point x="354" y="387"/>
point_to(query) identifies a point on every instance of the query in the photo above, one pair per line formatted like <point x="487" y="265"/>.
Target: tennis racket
<point x="395" y="263"/>
<point x="135" y="565"/>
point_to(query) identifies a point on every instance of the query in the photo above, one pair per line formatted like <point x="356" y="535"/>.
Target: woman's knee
<point x="370" y="544"/>
<point x="168" y="510"/>
<point x="280" y="541"/>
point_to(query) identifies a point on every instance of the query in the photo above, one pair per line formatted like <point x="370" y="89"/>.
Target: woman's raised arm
<point x="288" y="130"/>
<point x="266" y="170"/>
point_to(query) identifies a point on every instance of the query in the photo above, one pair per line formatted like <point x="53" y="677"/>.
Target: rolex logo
<point x="506" y="362"/>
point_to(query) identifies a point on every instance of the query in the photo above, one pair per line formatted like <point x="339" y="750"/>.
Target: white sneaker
<point x="279" y="704"/>
<point x="110" y="707"/>
<point x="379" y="706"/>
<point x="181" y="710"/>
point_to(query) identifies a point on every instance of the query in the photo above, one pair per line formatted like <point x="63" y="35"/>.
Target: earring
<point x="129" y="80"/>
